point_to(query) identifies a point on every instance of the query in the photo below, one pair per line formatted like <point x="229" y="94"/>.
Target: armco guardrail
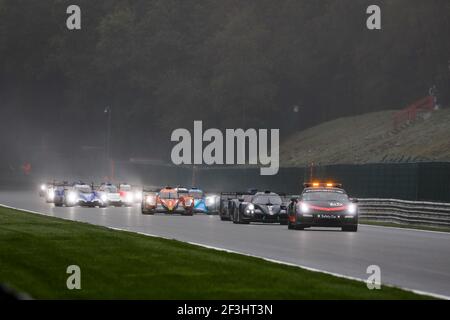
<point x="407" y="212"/>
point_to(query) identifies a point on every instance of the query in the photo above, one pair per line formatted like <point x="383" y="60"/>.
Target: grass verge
<point x="404" y="226"/>
<point x="35" y="252"/>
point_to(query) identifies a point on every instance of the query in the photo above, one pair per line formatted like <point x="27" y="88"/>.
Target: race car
<point x="168" y="200"/>
<point x="255" y="206"/>
<point x="43" y="189"/>
<point x="59" y="191"/>
<point x="226" y="200"/>
<point x="199" y="200"/>
<point x="323" y="205"/>
<point x="126" y="194"/>
<point x="212" y="202"/>
<point x="148" y="202"/>
<point x="109" y="194"/>
<point x="50" y="192"/>
<point x="137" y="194"/>
<point x="79" y="194"/>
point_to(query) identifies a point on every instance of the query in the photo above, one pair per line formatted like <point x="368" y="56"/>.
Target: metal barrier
<point x="407" y="212"/>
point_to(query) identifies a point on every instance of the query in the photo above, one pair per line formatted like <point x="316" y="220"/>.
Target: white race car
<point x="126" y="194"/>
<point x="110" y="195"/>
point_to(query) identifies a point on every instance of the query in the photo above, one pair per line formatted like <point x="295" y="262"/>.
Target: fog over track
<point x="413" y="259"/>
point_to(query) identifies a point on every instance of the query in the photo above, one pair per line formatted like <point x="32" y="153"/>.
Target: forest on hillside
<point x="161" y="64"/>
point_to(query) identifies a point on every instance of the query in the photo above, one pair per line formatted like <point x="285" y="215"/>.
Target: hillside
<point x="370" y="138"/>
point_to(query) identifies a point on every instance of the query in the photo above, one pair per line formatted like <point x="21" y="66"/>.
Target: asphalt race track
<point x="411" y="259"/>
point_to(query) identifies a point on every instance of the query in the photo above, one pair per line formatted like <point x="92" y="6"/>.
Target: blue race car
<point x="83" y="194"/>
<point x="59" y="190"/>
<point x="199" y="200"/>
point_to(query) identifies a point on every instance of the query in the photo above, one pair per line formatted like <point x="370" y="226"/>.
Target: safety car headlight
<point x="351" y="209"/>
<point x="251" y="206"/>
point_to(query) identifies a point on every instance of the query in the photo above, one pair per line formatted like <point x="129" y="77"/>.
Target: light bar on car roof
<point x="316" y="184"/>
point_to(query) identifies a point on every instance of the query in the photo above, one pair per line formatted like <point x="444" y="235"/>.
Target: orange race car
<point x="168" y="200"/>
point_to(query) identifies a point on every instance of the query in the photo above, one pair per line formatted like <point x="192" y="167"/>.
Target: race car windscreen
<point x="196" y="194"/>
<point x="125" y="187"/>
<point x="168" y="195"/>
<point x="325" y="196"/>
<point x="267" y="199"/>
<point x="84" y="188"/>
<point x="111" y="189"/>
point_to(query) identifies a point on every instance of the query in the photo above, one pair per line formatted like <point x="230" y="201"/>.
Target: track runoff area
<point x="414" y="260"/>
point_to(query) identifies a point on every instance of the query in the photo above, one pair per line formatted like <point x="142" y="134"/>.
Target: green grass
<point x="36" y="250"/>
<point x="405" y="226"/>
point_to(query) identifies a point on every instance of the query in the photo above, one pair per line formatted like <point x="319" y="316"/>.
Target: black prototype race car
<point x="323" y="205"/>
<point x="252" y="206"/>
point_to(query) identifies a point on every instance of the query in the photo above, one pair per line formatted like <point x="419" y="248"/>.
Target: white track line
<point x="434" y="295"/>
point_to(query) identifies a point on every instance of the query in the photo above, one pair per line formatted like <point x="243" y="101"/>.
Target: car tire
<point x="238" y="218"/>
<point x="353" y="228"/>
<point x="67" y="205"/>
<point x="235" y="218"/>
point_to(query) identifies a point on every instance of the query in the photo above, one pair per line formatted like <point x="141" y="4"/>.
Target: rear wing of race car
<point x="287" y="199"/>
<point x="63" y="184"/>
<point x="232" y="195"/>
<point x="182" y="190"/>
<point x="151" y="189"/>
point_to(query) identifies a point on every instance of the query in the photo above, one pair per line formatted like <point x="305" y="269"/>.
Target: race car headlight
<point x="210" y="200"/>
<point x="138" y="196"/>
<point x="188" y="202"/>
<point x="104" y="197"/>
<point x="43" y="187"/>
<point x="150" y="200"/>
<point x="251" y="206"/>
<point x="51" y="194"/>
<point x="72" y="197"/>
<point x="129" y="197"/>
<point x="351" y="209"/>
<point x="304" y="208"/>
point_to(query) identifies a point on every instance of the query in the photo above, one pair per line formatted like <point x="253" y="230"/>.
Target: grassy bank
<point x="35" y="252"/>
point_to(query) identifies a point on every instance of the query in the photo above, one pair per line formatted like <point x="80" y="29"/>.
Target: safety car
<point x="323" y="205"/>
